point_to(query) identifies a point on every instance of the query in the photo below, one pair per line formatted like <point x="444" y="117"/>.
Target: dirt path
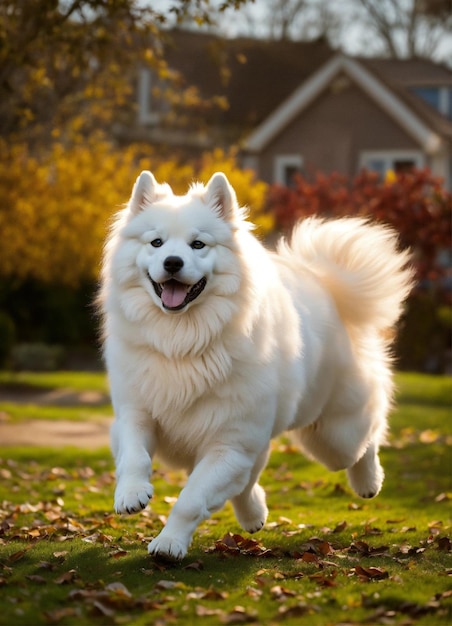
<point x="55" y="433"/>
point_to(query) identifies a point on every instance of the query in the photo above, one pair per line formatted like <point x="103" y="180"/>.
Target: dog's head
<point x="184" y="242"/>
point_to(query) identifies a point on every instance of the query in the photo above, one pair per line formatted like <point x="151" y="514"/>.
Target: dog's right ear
<point x="145" y="191"/>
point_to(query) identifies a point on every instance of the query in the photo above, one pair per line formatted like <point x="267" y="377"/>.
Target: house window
<point x="147" y="113"/>
<point x="440" y="98"/>
<point x="397" y="161"/>
<point x="286" y="167"/>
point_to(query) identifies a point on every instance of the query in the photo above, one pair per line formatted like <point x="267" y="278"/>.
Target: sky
<point x="252" y="19"/>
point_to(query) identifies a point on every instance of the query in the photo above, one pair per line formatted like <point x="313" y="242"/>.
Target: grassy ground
<point x="30" y="388"/>
<point x="324" y="557"/>
<point x="41" y="381"/>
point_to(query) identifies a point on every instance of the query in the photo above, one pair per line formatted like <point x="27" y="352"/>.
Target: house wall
<point x="332" y="132"/>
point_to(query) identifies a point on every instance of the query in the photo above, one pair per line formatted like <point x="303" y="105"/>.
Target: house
<point x="218" y="90"/>
<point x="349" y="114"/>
<point x="295" y="107"/>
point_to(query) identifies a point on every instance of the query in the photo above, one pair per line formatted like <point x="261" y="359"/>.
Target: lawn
<point x="325" y="557"/>
<point x="30" y="388"/>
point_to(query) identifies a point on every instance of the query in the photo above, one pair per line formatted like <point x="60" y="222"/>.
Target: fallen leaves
<point x="370" y="573"/>
<point x="58" y="615"/>
<point x="44" y="518"/>
<point x="112" y="598"/>
<point x="236" y="545"/>
<point x="290" y="572"/>
<point x="296" y="610"/>
<point x="332" y="560"/>
<point x="16" y="556"/>
<point x="67" y="577"/>
<point x="444" y="544"/>
<point x="385" y="614"/>
<point x="409" y="436"/>
<point x="316" y="546"/>
<point x="364" y="549"/>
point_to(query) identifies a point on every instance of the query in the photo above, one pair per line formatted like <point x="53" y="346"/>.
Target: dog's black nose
<point x="173" y="264"/>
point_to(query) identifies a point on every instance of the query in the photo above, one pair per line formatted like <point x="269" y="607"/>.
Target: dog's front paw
<point x="132" y="497"/>
<point x="167" y="548"/>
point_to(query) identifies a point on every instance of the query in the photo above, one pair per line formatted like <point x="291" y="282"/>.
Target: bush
<point x="414" y="203"/>
<point x="50" y="314"/>
<point x="7" y="337"/>
<point x="424" y="335"/>
<point x="36" y="357"/>
<point x="420" y="210"/>
<point x="56" y="209"/>
<point x="54" y="218"/>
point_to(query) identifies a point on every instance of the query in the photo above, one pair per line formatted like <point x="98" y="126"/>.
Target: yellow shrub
<point x="250" y="192"/>
<point x="56" y="209"/>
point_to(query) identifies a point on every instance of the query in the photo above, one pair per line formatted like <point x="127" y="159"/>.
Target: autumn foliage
<point x="414" y="203"/>
<point x="420" y="209"/>
<point x="57" y="205"/>
<point x="56" y="208"/>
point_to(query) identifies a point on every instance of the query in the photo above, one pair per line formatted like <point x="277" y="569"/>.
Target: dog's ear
<point x="146" y="191"/>
<point x="220" y="196"/>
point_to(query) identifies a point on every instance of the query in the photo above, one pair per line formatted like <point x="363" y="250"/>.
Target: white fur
<point x="294" y="340"/>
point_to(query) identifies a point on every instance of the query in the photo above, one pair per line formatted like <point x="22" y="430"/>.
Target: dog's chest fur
<point x="170" y="386"/>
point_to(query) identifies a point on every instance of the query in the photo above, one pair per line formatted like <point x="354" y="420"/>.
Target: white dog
<point x="214" y="345"/>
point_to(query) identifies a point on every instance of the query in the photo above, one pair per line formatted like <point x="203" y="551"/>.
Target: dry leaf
<point x="35" y="578"/>
<point x="196" y="565"/>
<point x="370" y="573"/>
<point x="444" y="544"/>
<point x="202" y="611"/>
<point x="66" y="578"/>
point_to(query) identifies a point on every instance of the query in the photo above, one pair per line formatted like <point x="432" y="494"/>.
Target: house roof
<point x="386" y="81"/>
<point x="410" y="72"/>
<point x="403" y="75"/>
<point x="253" y="75"/>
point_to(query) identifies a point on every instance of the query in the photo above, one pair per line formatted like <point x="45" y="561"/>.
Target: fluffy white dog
<point x="214" y="345"/>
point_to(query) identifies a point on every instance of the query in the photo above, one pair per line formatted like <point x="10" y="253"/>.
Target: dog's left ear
<point x="220" y="196"/>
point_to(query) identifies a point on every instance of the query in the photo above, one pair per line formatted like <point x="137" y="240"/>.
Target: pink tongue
<point x="173" y="293"/>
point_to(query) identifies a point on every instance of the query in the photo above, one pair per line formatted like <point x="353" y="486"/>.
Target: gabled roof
<point x="253" y="75"/>
<point x="402" y="106"/>
<point x="404" y="75"/>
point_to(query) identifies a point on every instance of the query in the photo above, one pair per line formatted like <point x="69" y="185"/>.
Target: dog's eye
<point x="197" y="245"/>
<point x="156" y="243"/>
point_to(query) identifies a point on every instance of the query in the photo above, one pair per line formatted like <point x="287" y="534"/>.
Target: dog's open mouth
<point x="176" y="295"/>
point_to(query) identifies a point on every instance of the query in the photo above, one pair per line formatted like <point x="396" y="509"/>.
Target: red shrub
<point x="414" y="203"/>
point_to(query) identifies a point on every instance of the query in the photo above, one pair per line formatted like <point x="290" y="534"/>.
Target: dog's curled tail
<point x="360" y="265"/>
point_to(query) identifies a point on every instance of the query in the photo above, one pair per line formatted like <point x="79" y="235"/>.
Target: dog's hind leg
<point x="366" y="476"/>
<point x="346" y="442"/>
<point x="250" y="506"/>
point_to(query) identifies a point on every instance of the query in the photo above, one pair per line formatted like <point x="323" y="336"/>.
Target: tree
<point x="71" y="62"/>
<point x="396" y="28"/>
<point x="280" y="19"/>
<point x="407" y="28"/>
<point x="67" y="72"/>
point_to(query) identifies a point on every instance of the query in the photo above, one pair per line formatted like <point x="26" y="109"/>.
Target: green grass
<point x="21" y="412"/>
<point x="26" y="384"/>
<point x="41" y="381"/>
<point x="331" y="558"/>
